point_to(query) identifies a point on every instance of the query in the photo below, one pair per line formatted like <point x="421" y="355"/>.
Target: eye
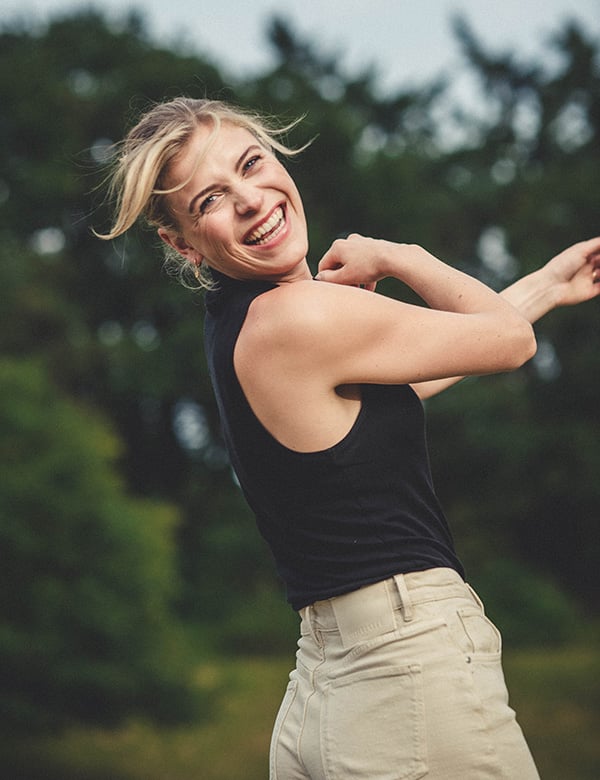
<point x="251" y="161"/>
<point x="207" y="203"/>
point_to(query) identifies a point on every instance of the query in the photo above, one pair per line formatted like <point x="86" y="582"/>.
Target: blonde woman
<point x="318" y="383"/>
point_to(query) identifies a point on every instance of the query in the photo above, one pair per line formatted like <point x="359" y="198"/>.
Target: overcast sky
<point x="409" y="41"/>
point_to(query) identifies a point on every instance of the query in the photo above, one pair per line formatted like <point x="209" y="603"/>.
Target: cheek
<point x="215" y="232"/>
<point x="212" y="237"/>
<point x="198" y="229"/>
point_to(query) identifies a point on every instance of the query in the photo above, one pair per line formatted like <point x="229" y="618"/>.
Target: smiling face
<point x="240" y="211"/>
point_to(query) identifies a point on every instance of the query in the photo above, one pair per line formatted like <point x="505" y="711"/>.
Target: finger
<point x="329" y="262"/>
<point x="331" y="258"/>
<point x="591" y="247"/>
<point x="594" y="260"/>
<point x="330" y="275"/>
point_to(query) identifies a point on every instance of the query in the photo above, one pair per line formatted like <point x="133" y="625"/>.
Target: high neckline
<point x="226" y="286"/>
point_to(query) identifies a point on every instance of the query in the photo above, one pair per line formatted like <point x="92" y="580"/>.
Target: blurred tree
<point x="88" y="573"/>
<point x="55" y="136"/>
<point x="109" y="327"/>
<point x="526" y="182"/>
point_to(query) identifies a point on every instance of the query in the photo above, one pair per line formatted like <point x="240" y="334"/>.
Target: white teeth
<point x="274" y="221"/>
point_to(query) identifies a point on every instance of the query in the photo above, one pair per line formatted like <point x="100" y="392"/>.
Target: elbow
<point x="524" y="345"/>
<point x="532" y="343"/>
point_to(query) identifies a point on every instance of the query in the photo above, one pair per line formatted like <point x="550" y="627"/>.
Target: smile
<point x="268" y="230"/>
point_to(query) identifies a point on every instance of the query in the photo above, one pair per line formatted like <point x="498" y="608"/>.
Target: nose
<point x="248" y="198"/>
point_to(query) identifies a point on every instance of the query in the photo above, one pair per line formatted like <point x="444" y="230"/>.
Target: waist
<point x="371" y="610"/>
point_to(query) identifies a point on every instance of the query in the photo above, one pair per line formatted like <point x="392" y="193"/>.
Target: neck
<point x="298" y="274"/>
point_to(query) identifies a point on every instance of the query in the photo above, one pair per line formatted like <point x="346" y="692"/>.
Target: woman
<point x="318" y="384"/>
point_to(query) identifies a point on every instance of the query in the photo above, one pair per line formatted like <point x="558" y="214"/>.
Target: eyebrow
<point x="211" y="187"/>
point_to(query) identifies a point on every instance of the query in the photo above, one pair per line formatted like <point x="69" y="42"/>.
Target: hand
<point x="575" y="273"/>
<point x="355" y="261"/>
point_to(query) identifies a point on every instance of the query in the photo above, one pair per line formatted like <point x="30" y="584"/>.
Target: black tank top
<point x="335" y="520"/>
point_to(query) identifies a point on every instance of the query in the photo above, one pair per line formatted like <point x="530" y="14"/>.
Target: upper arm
<point x="344" y="335"/>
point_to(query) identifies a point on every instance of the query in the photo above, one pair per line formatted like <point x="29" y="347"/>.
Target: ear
<point x="179" y="244"/>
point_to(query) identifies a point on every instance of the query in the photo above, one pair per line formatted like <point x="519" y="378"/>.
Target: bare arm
<point x="308" y="344"/>
<point x="353" y="336"/>
<point x="572" y="277"/>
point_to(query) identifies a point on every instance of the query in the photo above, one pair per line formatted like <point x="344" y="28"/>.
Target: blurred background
<point x="143" y="632"/>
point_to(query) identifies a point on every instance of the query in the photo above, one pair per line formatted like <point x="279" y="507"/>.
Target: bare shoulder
<point x="310" y="329"/>
<point x="283" y="359"/>
<point x="279" y="336"/>
<point x="295" y="313"/>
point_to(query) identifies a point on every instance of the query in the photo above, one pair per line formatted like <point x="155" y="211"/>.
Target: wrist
<point x="397" y="260"/>
<point x="534" y="295"/>
<point x="548" y="288"/>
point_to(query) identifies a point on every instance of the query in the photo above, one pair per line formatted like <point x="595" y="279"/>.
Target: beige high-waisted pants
<point x="398" y="681"/>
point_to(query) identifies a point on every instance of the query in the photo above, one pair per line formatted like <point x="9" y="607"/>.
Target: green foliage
<point x="556" y="693"/>
<point x="87" y="575"/>
<point x="261" y="624"/>
<point x="531" y="610"/>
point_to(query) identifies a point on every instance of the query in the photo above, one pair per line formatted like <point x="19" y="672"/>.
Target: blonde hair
<point x="137" y="183"/>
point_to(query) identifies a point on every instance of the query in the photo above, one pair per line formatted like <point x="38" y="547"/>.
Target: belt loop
<point x="405" y="602"/>
<point x="308" y="616"/>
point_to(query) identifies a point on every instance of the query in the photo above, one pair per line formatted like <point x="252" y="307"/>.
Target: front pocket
<point x="374" y="725"/>
<point x="480" y="635"/>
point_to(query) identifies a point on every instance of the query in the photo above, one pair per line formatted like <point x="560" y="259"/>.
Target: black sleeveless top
<point x="335" y="520"/>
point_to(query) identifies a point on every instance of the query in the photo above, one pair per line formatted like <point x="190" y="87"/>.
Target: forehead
<point x="211" y="150"/>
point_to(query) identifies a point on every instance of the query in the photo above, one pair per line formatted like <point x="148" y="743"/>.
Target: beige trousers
<point x="398" y="681"/>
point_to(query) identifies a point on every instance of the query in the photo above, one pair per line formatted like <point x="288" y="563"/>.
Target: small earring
<point x="196" y="272"/>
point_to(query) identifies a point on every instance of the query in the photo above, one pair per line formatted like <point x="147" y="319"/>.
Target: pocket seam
<point x="466" y="612"/>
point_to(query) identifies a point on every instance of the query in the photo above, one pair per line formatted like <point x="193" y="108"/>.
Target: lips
<point x="268" y="229"/>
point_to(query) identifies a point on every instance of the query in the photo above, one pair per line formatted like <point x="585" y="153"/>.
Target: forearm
<point x="570" y="278"/>
<point x="533" y="296"/>
<point x="443" y="287"/>
<point x="362" y="261"/>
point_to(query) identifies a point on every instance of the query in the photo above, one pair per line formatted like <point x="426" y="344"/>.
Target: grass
<point x="234" y="744"/>
<point x="557" y="696"/>
<point x="556" y="693"/>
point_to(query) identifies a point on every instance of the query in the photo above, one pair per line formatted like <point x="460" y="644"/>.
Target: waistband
<point x="371" y="610"/>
